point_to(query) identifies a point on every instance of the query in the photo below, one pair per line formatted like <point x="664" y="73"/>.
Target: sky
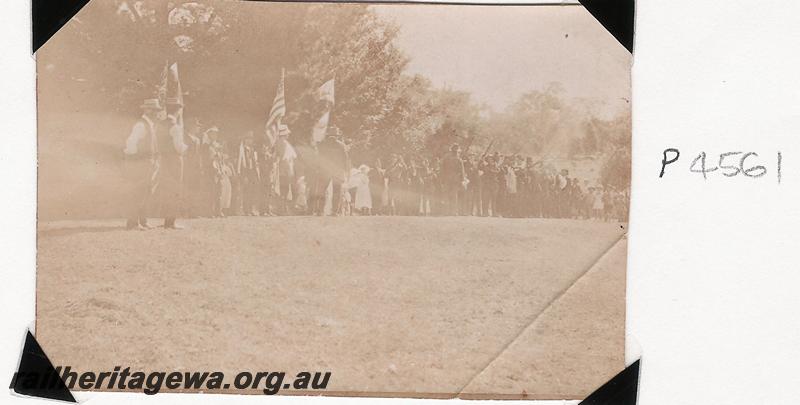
<point x="500" y="52"/>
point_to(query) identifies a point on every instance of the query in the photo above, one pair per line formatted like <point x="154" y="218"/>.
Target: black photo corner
<point x="617" y="16"/>
<point x="49" y="16"/>
<point x="36" y="376"/>
<point x="622" y="389"/>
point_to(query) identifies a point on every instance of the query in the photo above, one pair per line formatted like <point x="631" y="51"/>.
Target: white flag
<point x="326" y="91"/>
<point x="175" y="81"/>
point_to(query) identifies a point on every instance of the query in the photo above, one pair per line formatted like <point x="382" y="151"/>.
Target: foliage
<point x="230" y="56"/>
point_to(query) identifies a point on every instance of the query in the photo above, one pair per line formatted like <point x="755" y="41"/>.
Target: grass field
<point x="406" y="306"/>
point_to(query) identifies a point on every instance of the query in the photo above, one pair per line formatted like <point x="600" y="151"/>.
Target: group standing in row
<point x="200" y="173"/>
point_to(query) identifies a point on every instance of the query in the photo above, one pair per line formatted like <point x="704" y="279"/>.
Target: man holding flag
<point x="140" y="163"/>
<point x="269" y="155"/>
<point x="171" y="149"/>
<point x="333" y="162"/>
<point x="317" y="175"/>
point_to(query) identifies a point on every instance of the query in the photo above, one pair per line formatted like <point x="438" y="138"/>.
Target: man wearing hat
<point x="333" y="162"/>
<point x="454" y="178"/>
<point x="171" y="148"/>
<point x="140" y="164"/>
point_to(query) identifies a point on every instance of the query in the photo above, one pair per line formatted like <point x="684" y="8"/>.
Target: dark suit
<point x="452" y="178"/>
<point x="333" y="160"/>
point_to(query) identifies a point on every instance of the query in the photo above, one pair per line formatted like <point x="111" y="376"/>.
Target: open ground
<point x="407" y="306"/>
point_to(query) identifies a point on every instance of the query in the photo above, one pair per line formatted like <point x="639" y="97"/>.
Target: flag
<point x="161" y="92"/>
<point x="277" y="112"/>
<point x="175" y="83"/>
<point x="326" y="94"/>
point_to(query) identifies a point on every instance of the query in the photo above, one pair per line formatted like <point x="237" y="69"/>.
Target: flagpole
<point x="333" y="103"/>
<point x="283" y="81"/>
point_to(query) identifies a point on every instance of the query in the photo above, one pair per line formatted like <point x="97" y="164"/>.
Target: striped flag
<point x="277" y="112"/>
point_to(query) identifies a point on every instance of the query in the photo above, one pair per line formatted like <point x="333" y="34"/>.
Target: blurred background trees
<point x="230" y="55"/>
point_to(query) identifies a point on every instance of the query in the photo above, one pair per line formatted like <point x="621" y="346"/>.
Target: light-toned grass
<point x="399" y="305"/>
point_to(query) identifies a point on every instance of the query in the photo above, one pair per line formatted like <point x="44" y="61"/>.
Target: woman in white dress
<point x="360" y="180"/>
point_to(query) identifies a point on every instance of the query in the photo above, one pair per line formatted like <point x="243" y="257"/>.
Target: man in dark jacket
<point x="490" y="185"/>
<point x="453" y="178"/>
<point x="171" y="148"/>
<point x="333" y="161"/>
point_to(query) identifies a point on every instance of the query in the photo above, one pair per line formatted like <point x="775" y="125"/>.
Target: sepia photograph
<point x="337" y="199"/>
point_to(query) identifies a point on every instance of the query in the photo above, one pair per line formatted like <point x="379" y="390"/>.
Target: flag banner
<point x="174" y="82"/>
<point x="161" y="92"/>
<point x="278" y="110"/>
<point x="326" y="92"/>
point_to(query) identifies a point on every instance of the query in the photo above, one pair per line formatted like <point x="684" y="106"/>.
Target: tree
<point x="535" y="123"/>
<point x="355" y="47"/>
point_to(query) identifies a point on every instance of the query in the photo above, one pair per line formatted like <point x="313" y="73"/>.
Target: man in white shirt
<point x="141" y="163"/>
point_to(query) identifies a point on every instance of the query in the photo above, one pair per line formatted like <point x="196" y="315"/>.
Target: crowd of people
<point x="199" y="173"/>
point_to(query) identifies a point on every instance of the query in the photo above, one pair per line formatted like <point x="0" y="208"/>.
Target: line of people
<point x="201" y="174"/>
<point x="322" y="180"/>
